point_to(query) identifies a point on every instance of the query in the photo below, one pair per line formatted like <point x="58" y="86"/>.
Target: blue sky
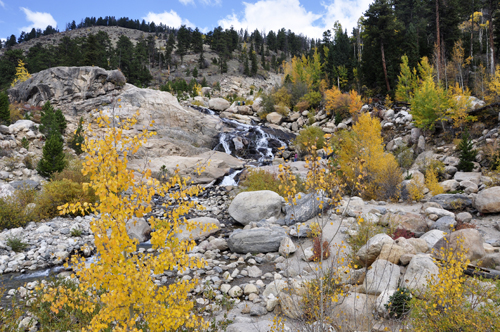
<point x="308" y="17"/>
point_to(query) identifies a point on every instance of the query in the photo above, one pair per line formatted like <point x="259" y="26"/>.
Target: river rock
<point x="370" y="251"/>
<point x="488" y="200"/>
<point x="445" y="224"/>
<point x="450" y="185"/>
<point x="252" y="206"/>
<point x="439" y="212"/>
<point x="305" y="208"/>
<point x="6" y="190"/>
<point x="218" y="104"/>
<point x="468" y="238"/>
<point x="204" y="227"/>
<point x="138" y="228"/>
<point x="392" y="253"/>
<point x="452" y="201"/>
<point x="274" y="117"/>
<point x="256" y="240"/>
<point x="409" y="221"/>
<point x="433" y="236"/>
<point x="420" y="269"/>
<point x="382" y="276"/>
<point x="354" y="313"/>
<point x="287" y="247"/>
<point x="474" y="177"/>
<point x="291" y="305"/>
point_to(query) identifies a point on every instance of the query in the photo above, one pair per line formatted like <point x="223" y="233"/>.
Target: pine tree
<point x="467" y="153"/>
<point x="78" y="139"/>
<point x="53" y="159"/>
<point x="195" y="72"/>
<point x="4" y="108"/>
<point x="52" y="120"/>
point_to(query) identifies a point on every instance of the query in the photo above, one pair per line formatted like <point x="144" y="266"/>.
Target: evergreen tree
<point x="4" y="108"/>
<point x="467" y="153"/>
<point x="53" y="159"/>
<point x="52" y="121"/>
<point x="78" y="139"/>
<point x="195" y="72"/>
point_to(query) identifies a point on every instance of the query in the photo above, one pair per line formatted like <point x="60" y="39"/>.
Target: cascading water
<point x="246" y="141"/>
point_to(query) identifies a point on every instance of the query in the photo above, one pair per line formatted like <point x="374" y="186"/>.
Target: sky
<point x="307" y="17"/>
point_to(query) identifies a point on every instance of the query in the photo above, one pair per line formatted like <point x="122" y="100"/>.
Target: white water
<point x="229" y="179"/>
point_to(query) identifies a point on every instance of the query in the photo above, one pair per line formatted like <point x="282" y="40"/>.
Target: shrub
<point x="453" y="302"/>
<point x="302" y="106"/>
<point x="463" y="225"/>
<point x="313" y="98"/>
<point x="15" y="113"/>
<point x="432" y="164"/>
<point x="310" y="136"/>
<point x="13" y="209"/>
<point x="25" y="143"/>
<point x="29" y="161"/>
<point x="361" y="153"/>
<point x="283" y="110"/>
<point x="319" y="248"/>
<point x="16" y="244"/>
<point x="259" y="179"/>
<point x="363" y="231"/>
<point x="76" y="232"/>
<point x="399" y="303"/>
<point x="402" y="233"/>
<point x="4" y="108"/>
<point x="467" y="153"/>
<point x="388" y="182"/>
<point x="282" y="97"/>
<point x="343" y="105"/>
<point x="60" y="192"/>
<point x="72" y="172"/>
<point x="415" y="190"/>
<point x="432" y="183"/>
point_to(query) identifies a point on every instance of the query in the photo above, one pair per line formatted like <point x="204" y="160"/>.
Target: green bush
<point x="78" y="139"/>
<point x="4" y="108"/>
<point x="16" y="244"/>
<point x="13" y="209"/>
<point x="262" y="180"/>
<point x="399" y="303"/>
<point x="310" y="136"/>
<point x="313" y="98"/>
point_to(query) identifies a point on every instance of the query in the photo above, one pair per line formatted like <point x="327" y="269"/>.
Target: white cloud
<point x="2" y="4"/>
<point x="290" y="14"/>
<point x="211" y="2"/>
<point x="38" y="20"/>
<point x="347" y="12"/>
<point x="273" y="15"/>
<point x="187" y="2"/>
<point x="171" y="19"/>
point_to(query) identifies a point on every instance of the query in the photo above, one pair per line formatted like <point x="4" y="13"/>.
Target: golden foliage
<point x="431" y="181"/>
<point x="459" y="106"/>
<point x="282" y="97"/>
<point x="494" y="87"/>
<point x="120" y="281"/>
<point x="364" y="147"/>
<point x="304" y="69"/>
<point x="454" y="302"/>
<point x="415" y="190"/>
<point x="344" y="104"/>
<point x="21" y="73"/>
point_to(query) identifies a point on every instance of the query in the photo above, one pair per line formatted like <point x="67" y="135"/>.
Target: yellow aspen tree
<point x="21" y="73"/>
<point x="120" y="281"/>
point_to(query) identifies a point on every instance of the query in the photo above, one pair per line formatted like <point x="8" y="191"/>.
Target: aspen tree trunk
<point x="492" y="46"/>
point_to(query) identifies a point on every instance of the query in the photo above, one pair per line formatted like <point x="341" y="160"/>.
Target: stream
<point x="254" y="143"/>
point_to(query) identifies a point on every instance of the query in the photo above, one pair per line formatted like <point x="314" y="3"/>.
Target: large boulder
<point x="409" y="221"/>
<point x="468" y="176"/>
<point x="218" y="104"/>
<point x="305" y="208"/>
<point x="488" y="200"/>
<point x="274" y="117"/>
<point x="251" y="206"/>
<point x="452" y="201"/>
<point x="355" y="312"/>
<point x="256" y="240"/>
<point x="420" y="269"/>
<point x="138" y="228"/>
<point x="468" y="239"/>
<point x="383" y="276"/>
<point x="201" y="227"/>
<point x="368" y="253"/>
<point x="79" y="91"/>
